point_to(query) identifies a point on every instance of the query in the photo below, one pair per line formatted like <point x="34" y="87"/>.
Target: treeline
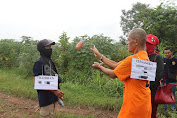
<point x="22" y="54"/>
<point x="160" y="21"/>
<point x="73" y="65"/>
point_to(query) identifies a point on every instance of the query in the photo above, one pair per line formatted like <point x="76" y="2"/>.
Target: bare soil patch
<point x="16" y="107"/>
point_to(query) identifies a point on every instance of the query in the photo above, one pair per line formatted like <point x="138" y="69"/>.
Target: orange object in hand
<point x="79" y="45"/>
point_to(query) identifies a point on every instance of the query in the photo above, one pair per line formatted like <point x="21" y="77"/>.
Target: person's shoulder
<point x="37" y="66"/>
<point x="142" y="55"/>
<point x="130" y="57"/>
<point x="159" y="56"/>
<point x="153" y="55"/>
<point x="38" y="61"/>
<point x="174" y="58"/>
<point x="133" y="56"/>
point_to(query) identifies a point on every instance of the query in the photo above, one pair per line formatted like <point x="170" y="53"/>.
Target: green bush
<point x="9" y="51"/>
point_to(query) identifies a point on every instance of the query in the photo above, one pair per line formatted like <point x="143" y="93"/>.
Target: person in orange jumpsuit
<point x="136" y="93"/>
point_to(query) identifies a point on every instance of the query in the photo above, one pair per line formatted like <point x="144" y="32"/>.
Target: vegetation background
<point x="83" y="85"/>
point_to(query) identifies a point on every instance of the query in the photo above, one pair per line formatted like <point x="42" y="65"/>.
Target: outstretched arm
<point x="108" y="62"/>
<point x="107" y="71"/>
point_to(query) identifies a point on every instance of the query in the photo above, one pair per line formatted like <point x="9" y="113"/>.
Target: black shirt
<point x="170" y="64"/>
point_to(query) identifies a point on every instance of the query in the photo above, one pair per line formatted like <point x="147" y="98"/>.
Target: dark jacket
<point x="159" y="72"/>
<point x="42" y="67"/>
<point x="171" y="66"/>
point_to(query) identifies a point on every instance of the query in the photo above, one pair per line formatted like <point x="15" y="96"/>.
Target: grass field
<point x="76" y="95"/>
<point x="12" y="82"/>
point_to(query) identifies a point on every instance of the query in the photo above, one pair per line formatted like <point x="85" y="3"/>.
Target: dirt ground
<point x="16" y="107"/>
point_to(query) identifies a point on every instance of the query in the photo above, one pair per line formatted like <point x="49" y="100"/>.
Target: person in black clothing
<point x="45" y="66"/>
<point x="154" y="56"/>
<point x="170" y="68"/>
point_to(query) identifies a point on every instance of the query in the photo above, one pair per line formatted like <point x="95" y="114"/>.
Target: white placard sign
<point x="143" y="70"/>
<point x="44" y="82"/>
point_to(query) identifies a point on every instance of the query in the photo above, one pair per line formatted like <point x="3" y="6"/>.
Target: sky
<point x="48" y="19"/>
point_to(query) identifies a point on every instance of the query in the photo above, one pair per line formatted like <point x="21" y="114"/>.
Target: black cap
<point x="42" y="43"/>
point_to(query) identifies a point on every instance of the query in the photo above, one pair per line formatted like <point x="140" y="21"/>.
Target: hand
<point x="62" y="98"/>
<point x="58" y="93"/>
<point x="96" y="52"/>
<point x="96" y="65"/>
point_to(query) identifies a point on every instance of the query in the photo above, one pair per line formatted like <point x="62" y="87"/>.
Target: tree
<point x="133" y="18"/>
<point x="26" y="39"/>
<point x="164" y="25"/>
<point x="160" y="21"/>
<point x="63" y="52"/>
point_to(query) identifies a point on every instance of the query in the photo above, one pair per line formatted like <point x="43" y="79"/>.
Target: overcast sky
<point x="49" y="18"/>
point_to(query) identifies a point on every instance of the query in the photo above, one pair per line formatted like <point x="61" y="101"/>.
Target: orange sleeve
<point x="123" y="70"/>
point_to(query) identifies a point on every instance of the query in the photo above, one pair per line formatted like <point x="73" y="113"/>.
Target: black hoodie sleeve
<point x="159" y="74"/>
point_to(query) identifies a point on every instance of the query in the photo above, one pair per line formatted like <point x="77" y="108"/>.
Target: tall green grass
<point x="96" y="80"/>
<point x="12" y="82"/>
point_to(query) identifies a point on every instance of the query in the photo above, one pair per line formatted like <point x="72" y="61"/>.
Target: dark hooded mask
<point x="41" y="48"/>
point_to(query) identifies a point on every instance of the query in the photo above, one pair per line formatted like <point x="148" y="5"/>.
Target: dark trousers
<point x="154" y="107"/>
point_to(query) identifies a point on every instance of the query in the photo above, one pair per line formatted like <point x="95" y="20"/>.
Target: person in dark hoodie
<point x="154" y="56"/>
<point x="45" y="66"/>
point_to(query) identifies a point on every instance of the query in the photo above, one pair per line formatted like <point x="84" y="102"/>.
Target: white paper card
<point x="143" y="70"/>
<point x="44" y="82"/>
